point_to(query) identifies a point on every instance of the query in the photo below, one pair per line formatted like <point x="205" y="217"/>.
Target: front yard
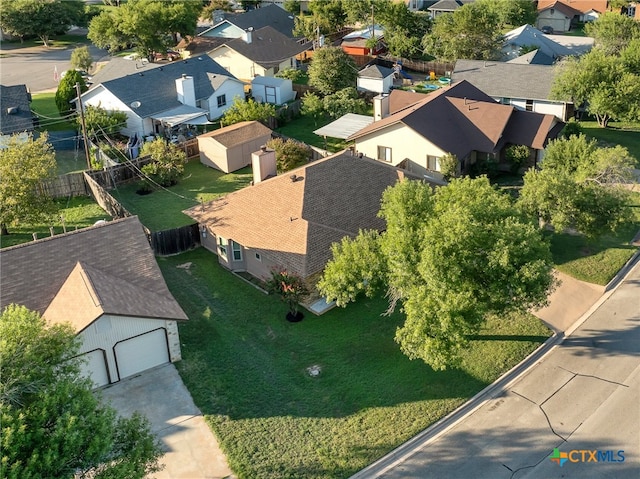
<point x="246" y="368"/>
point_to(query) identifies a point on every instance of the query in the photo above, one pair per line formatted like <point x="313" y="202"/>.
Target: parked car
<point x="547" y="30"/>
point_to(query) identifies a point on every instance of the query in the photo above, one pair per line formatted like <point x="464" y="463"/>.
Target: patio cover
<point x="183" y="114"/>
<point x="345" y="126"/>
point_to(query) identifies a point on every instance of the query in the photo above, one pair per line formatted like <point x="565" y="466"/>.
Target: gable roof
<point x="155" y="88"/>
<point x="375" y="71"/>
<point x="237" y="133"/>
<point x="89" y="292"/>
<point x="110" y="267"/>
<point x="270" y="15"/>
<point x="536" y="57"/>
<point x="294" y="223"/>
<point x="565" y="9"/>
<point x="507" y="80"/>
<point x="200" y="45"/>
<point x="448" y="5"/>
<point x="16" y="114"/>
<point x="268" y="47"/>
<point x="401" y="99"/>
<point x="459" y="119"/>
<point x="526" y="35"/>
<point x="581" y="6"/>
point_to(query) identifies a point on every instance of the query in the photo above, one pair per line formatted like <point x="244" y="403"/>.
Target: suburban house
<point x="446" y="6"/>
<point x="461" y="120"/>
<point x="290" y="221"/>
<point x="229" y="148"/>
<point x="528" y="36"/>
<point x="16" y="117"/>
<point x="525" y="86"/>
<point x="276" y="91"/>
<point x="375" y="78"/>
<point x="356" y="43"/>
<point x="262" y="52"/>
<point x="105" y="281"/>
<point x="632" y="10"/>
<point x="187" y="92"/>
<point x="233" y="25"/>
<point x="561" y="15"/>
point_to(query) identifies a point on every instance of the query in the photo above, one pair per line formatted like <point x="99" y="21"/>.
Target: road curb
<point x="433" y="432"/>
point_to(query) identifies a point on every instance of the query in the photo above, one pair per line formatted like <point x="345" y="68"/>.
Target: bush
<point x="517" y="156"/>
<point x="289" y="286"/>
<point x="290" y="74"/>
<point x="168" y="162"/>
<point x="289" y="154"/>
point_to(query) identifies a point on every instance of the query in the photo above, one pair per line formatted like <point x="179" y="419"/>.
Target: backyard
<point x="248" y="371"/>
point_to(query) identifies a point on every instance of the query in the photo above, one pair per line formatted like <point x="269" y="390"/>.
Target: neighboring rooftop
<point x="237" y="133"/>
<point x="270" y="15"/>
<point x="527" y="36"/>
<point x="375" y="71"/>
<point x="16" y="116"/>
<point x="112" y="261"/>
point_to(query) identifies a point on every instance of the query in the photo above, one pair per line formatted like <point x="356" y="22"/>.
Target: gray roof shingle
<point x="16" y="114"/>
<point x="271" y="15"/>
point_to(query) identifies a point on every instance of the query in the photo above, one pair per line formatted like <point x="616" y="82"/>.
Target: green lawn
<point x="45" y="105"/>
<point x="162" y="209"/>
<point x="78" y="212"/>
<point x="302" y="129"/>
<point x="625" y="134"/>
<point x="597" y="262"/>
<point x="245" y="367"/>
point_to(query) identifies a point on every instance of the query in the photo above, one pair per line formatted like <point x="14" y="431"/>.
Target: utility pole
<point x="84" y="126"/>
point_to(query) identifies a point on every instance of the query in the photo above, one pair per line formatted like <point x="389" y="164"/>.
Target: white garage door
<point x="142" y="352"/>
<point x="95" y="367"/>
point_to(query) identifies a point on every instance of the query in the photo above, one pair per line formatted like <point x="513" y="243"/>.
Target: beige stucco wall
<point x="213" y="154"/>
<point x="216" y="155"/>
<point x="243" y="68"/>
<point x="558" y="20"/>
<point x="404" y="142"/>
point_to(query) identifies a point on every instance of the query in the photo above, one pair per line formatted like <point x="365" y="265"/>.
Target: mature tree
<point x="247" y="111"/>
<point x="403" y="29"/>
<point x="151" y="25"/>
<point x="23" y="167"/>
<point x="450" y="257"/>
<point x="512" y="12"/>
<point x="330" y="12"/>
<point x="449" y="166"/>
<point x="41" y="18"/>
<point x="578" y="186"/>
<point x="631" y="56"/>
<point x="100" y="122"/>
<point x="292" y="6"/>
<point x="81" y="58"/>
<point x="168" y="162"/>
<point x="214" y="5"/>
<point x="472" y="32"/>
<point x="289" y="153"/>
<point x="52" y="424"/>
<point x="292" y="74"/>
<point x="603" y="83"/>
<point x="67" y="91"/>
<point x="331" y="70"/>
<point x="344" y="101"/>
<point x="312" y="106"/>
<point x="612" y="32"/>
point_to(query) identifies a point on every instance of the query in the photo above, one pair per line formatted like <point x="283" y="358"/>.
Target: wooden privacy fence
<point x="71" y="184"/>
<point x="104" y="199"/>
<point x="174" y="241"/>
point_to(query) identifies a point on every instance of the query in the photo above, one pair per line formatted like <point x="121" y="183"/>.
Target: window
<point x="384" y="153"/>
<point x="222" y="247"/>
<point x="258" y="257"/>
<point x="433" y="163"/>
<point x="529" y="106"/>
<point x="237" y="251"/>
<point x="506" y="101"/>
<point x="222" y="100"/>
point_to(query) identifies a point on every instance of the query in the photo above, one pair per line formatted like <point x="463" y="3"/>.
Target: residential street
<point x="583" y="395"/>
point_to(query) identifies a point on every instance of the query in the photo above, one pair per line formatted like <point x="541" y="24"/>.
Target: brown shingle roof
<point x="461" y="118"/>
<point x="118" y="251"/>
<point x="295" y="222"/>
<point x="237" y="133"/>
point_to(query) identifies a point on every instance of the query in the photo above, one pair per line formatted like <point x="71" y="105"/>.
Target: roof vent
<point x="294" y="178"/>
<point x="135" y="104"/>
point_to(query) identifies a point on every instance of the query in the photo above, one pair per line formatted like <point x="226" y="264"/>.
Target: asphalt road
<point x="583" y="395"/>
<point x="35" y="66"/>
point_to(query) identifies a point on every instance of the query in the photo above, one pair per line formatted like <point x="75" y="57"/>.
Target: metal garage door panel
<point x="95" y="367"/>
<point x="142" y="352"/>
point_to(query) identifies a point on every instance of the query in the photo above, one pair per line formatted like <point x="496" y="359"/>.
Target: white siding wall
<point x="404" y="143"/>
<point x="108" y="330"/>
<point x="230" y="89"/>
<point x="103" y="98"/>
<point x="557" y="109"/>
<point x="379" y="85"/>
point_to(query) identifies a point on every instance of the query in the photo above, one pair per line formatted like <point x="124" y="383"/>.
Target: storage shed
<point x="276" y="91"/>
<point x="375" y="78"/>
<point x="229" y="149"/>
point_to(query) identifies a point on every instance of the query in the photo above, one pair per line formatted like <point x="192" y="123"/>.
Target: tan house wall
<point x="404" y="142"/>
<point x="216" y="155"/>
<point x="243" y="68"/>
<point x="557" y="20"/>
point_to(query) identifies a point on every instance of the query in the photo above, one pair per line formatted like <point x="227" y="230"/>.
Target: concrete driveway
<point x="192" y="451"/>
